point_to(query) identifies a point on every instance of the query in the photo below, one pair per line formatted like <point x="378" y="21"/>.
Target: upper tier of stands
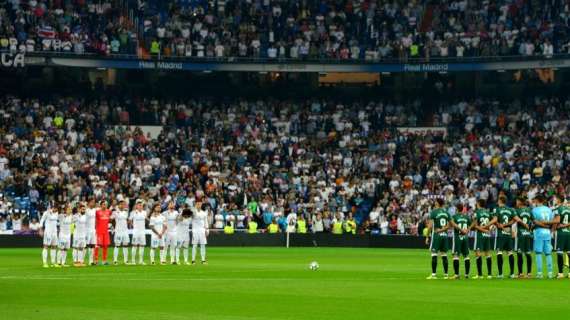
<point x="288" y="29"/>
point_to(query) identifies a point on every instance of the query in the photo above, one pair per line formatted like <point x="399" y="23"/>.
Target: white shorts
<point x="199" y="236"/>
<point x="156" y="242"/>
<point x="64" y="241"/>
<point x="91" y="237"/>
<point x="170" y="239"/>
<point x="79" y="241"/>
<point x="183" y="241"/>
<point x="139" y="239"/>
<point x="121" y="239"/>
<point x="50" y="239"/>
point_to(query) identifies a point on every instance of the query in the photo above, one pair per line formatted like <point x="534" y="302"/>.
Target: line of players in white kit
<point x="88" y="227"/>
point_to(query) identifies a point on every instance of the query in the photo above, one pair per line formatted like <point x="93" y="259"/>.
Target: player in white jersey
<point x="65" y="222"/>
<point x="170" y="243"/>
<point x="48" y="224"/>
<point x="183" y="235"/>
<point x="79" y="236"/>
<point x="158" y="228"/>
<point x="91" y="235"/>
<point x="121" y="239"/>
<point x="200" y="230"/>
<point x="138" y="219"/>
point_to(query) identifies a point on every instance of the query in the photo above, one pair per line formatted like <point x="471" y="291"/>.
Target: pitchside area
<point x="276" y="283"/>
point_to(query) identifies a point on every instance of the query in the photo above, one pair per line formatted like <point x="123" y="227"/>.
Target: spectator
<point x="343" y="29"/>
<point x="35" y="225"/>
<point x="317" y="223"/>
<point x="263" y="160"/>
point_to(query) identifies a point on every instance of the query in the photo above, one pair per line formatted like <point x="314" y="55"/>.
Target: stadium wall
<point x="270" y="65"/>
<point x="267" y="240"/>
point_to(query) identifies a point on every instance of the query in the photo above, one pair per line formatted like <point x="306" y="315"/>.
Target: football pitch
<point x="270" y="283"/>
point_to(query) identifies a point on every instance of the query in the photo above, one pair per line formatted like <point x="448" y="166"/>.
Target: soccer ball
<point x="314" y="266"/>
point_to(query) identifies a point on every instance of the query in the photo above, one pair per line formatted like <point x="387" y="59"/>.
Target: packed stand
<point x="492" y="148"/>
<point x="272" y="161"/>
<point x="267" y="161"/>
<point x="286" y="29"/>
<point x="84" y="26"/>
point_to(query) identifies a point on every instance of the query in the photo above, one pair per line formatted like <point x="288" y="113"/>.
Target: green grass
<point x="261" y="283"/>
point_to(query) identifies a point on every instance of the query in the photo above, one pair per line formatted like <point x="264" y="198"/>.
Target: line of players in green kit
<point x="502" y="229"/>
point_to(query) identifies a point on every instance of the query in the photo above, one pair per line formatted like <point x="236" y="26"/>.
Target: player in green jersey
<point x="523" y="242"/>
<point x="483" y="223"/>
<point x="438" y="224"/>
<point x="461" y="224"/>
<point x="504" y="217"/>
<point x="562" y="238"/>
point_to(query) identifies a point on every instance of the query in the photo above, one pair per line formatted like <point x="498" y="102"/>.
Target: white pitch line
<point x="187" y="279"/>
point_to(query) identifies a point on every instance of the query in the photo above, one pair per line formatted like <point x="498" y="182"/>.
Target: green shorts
<point x="460" y="246"/>
<point x="482" y="243"/>
<point x="562" y="242"/>
<point x="439" y="243"/>
<point x="524" y="244"/>
<point x="504" y="243"/>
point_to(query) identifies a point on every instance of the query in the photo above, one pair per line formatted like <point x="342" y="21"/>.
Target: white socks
<point x="52" y="254"/>
<point x="62" y="256"/>
<point x="125" y="254"/>
<point x="134" y="254"/>
<point x="141" y="254"/>
<point x="161" y="255"/>
<point x="185" y="254"/>
<point x="203" y="252"/>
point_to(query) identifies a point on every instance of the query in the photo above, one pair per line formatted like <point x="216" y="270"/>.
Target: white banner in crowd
<point x="423" y="130"/>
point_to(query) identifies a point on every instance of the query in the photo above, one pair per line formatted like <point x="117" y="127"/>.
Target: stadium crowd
<point x="280" y="29"/>
<point x="275" y="161"/>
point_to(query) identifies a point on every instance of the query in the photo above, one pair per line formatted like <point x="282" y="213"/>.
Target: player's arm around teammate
<point x="561" y="233"/>
<point x="504" y="242"/>
<point x="543" y="219"/>
<point x="482" y="245"/>
<point x="438" y="225"/>
<point x="523" y="237"/>
<point x="461" y="224"/>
